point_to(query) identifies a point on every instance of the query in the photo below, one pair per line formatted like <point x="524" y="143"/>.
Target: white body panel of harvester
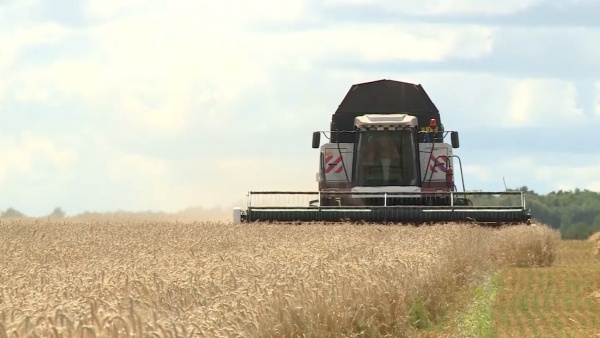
<point x="434" y="165"/>
<point x="336" y="162"/>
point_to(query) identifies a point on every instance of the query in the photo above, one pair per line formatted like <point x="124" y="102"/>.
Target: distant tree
<point x="577" y="230"/>
<point x="11" y="213"/>
<point x="57" y="213"/>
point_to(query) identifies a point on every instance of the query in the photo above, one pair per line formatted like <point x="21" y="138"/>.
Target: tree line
<point x="14" y="213"/>
<point x="576" y="214"/>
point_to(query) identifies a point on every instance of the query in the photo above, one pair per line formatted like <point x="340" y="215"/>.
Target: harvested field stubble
<point x="208" y="279"/>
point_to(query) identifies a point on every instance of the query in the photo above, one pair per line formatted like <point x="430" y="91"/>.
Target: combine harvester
<point x="386" y="162"/>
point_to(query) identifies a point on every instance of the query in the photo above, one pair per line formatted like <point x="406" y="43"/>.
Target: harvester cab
<point x="386" y="161"/>
<point x="389" y="155"/>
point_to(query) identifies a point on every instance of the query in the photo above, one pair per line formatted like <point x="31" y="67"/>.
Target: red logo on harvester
<point x="332" y="163"/>
<point x="439" y="162"/>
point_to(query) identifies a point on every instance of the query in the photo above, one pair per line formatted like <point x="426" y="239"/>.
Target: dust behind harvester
<point x="386" y="160"/>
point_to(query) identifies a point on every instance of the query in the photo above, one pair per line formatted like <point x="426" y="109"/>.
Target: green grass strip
<point x="478" y="321"/>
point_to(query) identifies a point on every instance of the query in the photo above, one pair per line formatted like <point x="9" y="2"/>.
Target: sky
<point x="162" y="105"/>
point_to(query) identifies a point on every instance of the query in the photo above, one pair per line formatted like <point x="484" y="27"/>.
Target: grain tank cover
<point x="383" y="97"/>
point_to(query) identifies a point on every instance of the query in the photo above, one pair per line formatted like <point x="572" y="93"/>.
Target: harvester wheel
<point x="329" y="202"/>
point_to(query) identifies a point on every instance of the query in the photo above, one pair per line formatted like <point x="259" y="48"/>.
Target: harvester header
<point x="386" y="161"/>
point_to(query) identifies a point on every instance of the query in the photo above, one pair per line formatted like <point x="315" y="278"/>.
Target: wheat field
<point x="168" y="278"/>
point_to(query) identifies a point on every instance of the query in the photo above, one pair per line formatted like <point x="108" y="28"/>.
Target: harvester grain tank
<point x="386" y="160"/>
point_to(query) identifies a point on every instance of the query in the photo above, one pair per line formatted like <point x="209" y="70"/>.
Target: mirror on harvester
<point x="454" y="138"/>
<point x="316" y="139"/>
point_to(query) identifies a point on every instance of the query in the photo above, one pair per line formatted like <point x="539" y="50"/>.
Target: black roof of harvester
<point x="383" y="97"/>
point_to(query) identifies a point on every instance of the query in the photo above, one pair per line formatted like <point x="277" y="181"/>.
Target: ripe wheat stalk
<point x="110" y="278"/>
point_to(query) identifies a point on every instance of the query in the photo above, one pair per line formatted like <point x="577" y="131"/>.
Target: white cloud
<point x="152" y="69"/>
<point x="107" y="9"/>
<point x="521" y="104"/>
<point x="32" y="154"/>
<point x="17" y="11"/>
<point x="480" y="172"/>
<point x="62" y="82"/>
<point x="388" y="42"/>
<point x="222" y="13"/>
<point x="238" y="12"/>
<point x="544" y="102"/>
<point x="14" y="40"/>
<point x="146" y="78"/>
<point x="170" y="117"/>
<point x="444" y="7"/>
<point x="130" y="168"/>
